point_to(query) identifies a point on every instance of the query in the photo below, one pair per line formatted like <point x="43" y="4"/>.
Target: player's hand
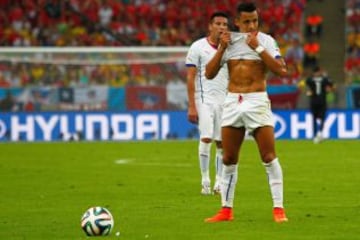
<point x="193" y="115"/>
<point x="252" y="40"/>
<point x="225" y="39"/>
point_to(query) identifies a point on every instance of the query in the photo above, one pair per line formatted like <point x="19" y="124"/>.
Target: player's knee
<point x="218" y="144"/>
<point x="204" y="148"/>
<point x="268" y="157"/>
<point x="206" y="140"/>
<point x="230" y="160"/>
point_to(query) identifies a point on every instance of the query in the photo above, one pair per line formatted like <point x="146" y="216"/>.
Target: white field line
<point x="150" y="163"/>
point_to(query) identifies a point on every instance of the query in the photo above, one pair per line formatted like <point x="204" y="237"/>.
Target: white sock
<point x="275" y="177"/>
<point x="228" y="183"/>
<point x="218" y="163"/>
<point x="204" y="158"/>
<point x="319" y="134"/>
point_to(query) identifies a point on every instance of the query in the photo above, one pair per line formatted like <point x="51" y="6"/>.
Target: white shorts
<point x="249" y="110"/>
<point x="209" y="120"/>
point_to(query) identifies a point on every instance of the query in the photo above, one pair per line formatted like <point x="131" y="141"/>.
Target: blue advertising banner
<point x="116" y="100"/>
<point x="156" y="125"/>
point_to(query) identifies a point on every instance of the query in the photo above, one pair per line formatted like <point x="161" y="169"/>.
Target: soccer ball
<point x="97" y="221"/>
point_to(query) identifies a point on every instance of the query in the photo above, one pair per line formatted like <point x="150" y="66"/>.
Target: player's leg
<point x="232" y="139"/>
<point x="219" y="149"/>
<point x="321" y="117"/>
<point x="218" y="167"/>
<point x="206" y="132"/>
<point x="204" y="160"/>
<point x="264" y="137"/>
<point x="313" y="110"/>
<point x="316" y="112"/>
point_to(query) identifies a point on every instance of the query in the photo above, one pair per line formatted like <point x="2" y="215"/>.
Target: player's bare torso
<point x="247" y="76"/>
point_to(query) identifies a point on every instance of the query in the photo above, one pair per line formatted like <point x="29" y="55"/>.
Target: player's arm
<point x="214" y="65"/>
<point x="191" y="77"/>
<point x="276" y="65"/>
<point x="330" y="87"/>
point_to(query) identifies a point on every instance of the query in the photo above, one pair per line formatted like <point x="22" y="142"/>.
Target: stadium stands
<point x="352" y="58"/>
<point x="124" y="23"/>
<point x="114" y="23"/>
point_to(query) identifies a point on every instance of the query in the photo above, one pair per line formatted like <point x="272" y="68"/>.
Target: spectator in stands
<point x="353" y="15"/>
<point x="105" y="13"/>
<point x="4" y="83"/>
<point x="295" y="52"/>
<point x="352" y="68"/>
<point x="314" y="25"/>
<point x="311" y="54"/>
<point x="7" y="104"/>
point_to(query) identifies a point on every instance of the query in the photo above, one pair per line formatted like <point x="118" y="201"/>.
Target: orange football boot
<point x="279" y="215"/>
<point x="225" y="214"/>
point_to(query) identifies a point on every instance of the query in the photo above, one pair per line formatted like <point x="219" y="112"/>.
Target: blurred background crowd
<point x="58" y="23"/>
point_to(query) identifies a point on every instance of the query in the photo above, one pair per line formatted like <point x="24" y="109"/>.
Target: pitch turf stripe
<point x="152" y="164"/>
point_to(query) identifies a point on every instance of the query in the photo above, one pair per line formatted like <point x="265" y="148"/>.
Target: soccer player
<point x="318" y="86"/>
<point x="206" y="97"/>
<point x="248" y="54"/>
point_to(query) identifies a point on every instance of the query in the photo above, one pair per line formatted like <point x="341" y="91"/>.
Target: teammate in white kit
<point x="248" y="55"/>
<point x="206" y="97"/>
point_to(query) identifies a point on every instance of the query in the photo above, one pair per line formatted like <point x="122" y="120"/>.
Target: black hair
<point x="316" y="68"/>
<point x="246" y="7"/>
<point x="218" y="14"/>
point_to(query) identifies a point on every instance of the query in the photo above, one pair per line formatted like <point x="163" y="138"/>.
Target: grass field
<point x="153" y="191"/>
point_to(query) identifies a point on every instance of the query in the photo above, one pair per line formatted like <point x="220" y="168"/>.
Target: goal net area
<point x="93" y="79"/>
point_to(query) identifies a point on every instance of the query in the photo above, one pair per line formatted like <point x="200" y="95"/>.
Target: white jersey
<point x="207" y="91"/>
<point x="239" y="49"/>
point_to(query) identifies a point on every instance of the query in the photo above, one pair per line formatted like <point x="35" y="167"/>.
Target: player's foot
<point x="225" y="214"/>
<point x="205" y="189"/>
<point x="318" y="138"/>
<point x="217" y="188"/>
<point x="279" y="215"/>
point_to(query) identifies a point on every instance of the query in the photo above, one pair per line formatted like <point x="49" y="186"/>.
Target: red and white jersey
<point x="207" y="91"/>
<point x="238" y="48"/>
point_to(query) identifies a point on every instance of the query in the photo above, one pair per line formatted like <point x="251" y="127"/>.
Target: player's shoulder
<point x="265" y="36"/>
<point x="199" y="42"/>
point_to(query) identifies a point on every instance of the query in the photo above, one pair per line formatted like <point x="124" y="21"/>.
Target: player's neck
<point x="212" y="41"/>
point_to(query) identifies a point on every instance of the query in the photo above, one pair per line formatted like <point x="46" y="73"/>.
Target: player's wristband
<point x="259" y="49"/>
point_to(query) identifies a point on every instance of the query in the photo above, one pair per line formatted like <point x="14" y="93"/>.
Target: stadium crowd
<point x="352" y="60"/>
<point x="128" y="23"/>
<point x="152" y="23"/>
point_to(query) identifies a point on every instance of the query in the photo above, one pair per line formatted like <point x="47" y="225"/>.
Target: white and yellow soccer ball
<point x="97" y="221"/>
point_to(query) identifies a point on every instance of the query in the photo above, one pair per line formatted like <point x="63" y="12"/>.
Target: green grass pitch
<point x="153" y="191"/>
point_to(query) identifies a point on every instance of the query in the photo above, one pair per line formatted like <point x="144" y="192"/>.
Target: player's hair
<point x="218" y="14"/>
<point x="316" y="68"/>
<point x="246" y="7"/>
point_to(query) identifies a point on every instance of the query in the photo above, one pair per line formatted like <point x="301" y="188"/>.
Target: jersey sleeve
<point x="192" y="57"/>
<point x="329" y="82"/>
<point x="272" y="47"/>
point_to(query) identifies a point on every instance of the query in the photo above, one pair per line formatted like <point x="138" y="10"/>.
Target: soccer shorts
<point x="209" y="120"/>
<point x="249" y="110"/>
